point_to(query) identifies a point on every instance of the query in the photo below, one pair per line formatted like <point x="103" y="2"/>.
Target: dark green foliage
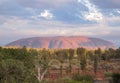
<point x="61" y="56"/>
<point x="81" y="78"/>
<point x="72" y="81"/>
<point x="95" y="63"/>
<point x="12" y="71"/>
<point x="17" y="66"/>
<point x="69" y="80"/>
<point x="71" y="53"/>
<point x="98" y="52"/>
<point x="117" y="53"/>
<point x="116" y="78"/>
<point x="108" y="74"/>
<point x="113" y="53"/>
<point x="90" y="55"/>
<point x="83" y="63"/>
<point x="44" y="58"/>
<point x="70" y="57"/>
<point x="81" y="52"/>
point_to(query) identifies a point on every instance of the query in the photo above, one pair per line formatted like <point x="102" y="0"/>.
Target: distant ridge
<point x="63" y="42"/>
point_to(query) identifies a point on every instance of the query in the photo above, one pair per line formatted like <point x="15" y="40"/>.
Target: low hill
<point x="63" y="42"/>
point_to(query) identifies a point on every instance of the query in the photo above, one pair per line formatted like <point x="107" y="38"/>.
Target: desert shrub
<point x="73" y="81"/>
<point x="83" y="78"/>
<point x="70" y="81"/>
<point x="116" y="78"/>
<point x="108" y="74"/>
<point x="62" y="80"/>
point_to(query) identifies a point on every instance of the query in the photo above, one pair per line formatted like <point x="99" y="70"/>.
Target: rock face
<point x="63" y="42"/>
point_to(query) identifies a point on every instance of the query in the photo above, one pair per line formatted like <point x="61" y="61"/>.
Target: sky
<point x="34" y="18"/>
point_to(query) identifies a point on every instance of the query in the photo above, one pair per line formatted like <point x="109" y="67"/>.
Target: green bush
<point x="108" y="74"/>
<point x="64" y="80"/>
<point x="17" y="66"/>
<point x="116" y="78"/>
<point x="83" y="78"/>
<point x="73" y="81"/>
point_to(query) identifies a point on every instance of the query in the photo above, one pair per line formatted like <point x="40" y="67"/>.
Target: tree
<point x="106" y="57"/>
<point x="81" y="52"/>
<point x="116" y="54"/>
<point x="90" y="54"/>
<point x="17" y="59"/>
<point x="14" y="71"/>
<point x="70" y="57"/>
<point x="61" y="55"/>
<point x="42" y="63"/>
<point x="95" y="63"/>
<point x="99" y="53"/>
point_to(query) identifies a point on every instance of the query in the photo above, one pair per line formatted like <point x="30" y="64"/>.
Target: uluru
<point x="63" y="42"/>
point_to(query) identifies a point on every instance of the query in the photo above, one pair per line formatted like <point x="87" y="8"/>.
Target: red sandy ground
<point x="55" y="73"/>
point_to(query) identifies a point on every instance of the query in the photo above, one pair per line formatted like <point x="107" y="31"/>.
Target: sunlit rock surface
<point x="63" y="42"/>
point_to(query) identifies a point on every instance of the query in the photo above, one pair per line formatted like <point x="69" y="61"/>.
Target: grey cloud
<point x="113" y="21"/>
<point x="45" y="3"/>
<point x="108" y="4"/>
<point x="12" y="8"/>
<point x="20" y="8"/>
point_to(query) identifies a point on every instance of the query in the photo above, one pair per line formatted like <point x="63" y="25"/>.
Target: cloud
<point x="93" y="13"/>
<point x="45" y="3"/>
<point x="93" y="16"/>
<point x="118" y="11"/>
<point x="113" y="21"/>
<point x="41" y="9"/>
<point x="107" y="4"/>
<point x="46" y="14"/>
<point x="12" y="8"/>
<point x="13" y="23"/>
